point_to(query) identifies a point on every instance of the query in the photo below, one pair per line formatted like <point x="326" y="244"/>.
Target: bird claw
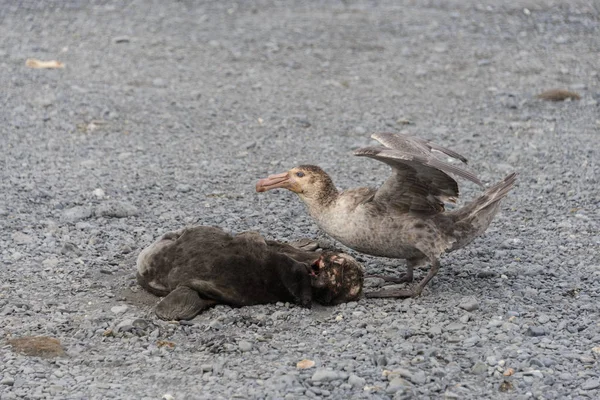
<point x="307" y="244"/>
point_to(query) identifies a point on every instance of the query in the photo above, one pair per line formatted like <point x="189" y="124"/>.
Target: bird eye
<point x="300" y="174"/>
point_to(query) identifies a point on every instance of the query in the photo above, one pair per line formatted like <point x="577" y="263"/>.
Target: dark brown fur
<point x="198" y="267"/>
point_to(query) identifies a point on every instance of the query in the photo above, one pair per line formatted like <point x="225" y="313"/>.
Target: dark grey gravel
<point x="167" y="113"/>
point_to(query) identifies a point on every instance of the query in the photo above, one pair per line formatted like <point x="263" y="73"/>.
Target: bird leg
<point x="405" y="293"/>
<point x="404" y="278"/>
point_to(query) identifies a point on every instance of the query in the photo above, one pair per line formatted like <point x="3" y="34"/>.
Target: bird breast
<point x="367" y="231"/>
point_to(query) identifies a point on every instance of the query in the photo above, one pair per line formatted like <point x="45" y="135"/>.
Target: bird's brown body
<point x="405" y="217"/>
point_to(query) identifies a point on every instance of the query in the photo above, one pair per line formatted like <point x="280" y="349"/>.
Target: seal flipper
<point x="182" y="303"/>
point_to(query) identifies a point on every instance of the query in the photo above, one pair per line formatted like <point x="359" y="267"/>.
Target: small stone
<point x="99" y="193"/>
<point x="21" y="238"/>
<point x="50" y="262"/>
<point x="479" y="368"/>
<point x="245" y="346"/>
<point x="182" y="188"/>
<point x="124" y="326"/>
<point x="591" y="384"/>
<point x="356" y="381"/>
<point x="454" y="326"/>
<point x="465" y="318"/>
<point x="536" y="331"/>
<point x="140" y="323"/>
<point x="435" y="330"/>
<point x="324" y="375"/>
<point x="68" y="248"/>
<point x="305" y="364"/>
<point x="206" y="367"/>
<point x="7" y="380"/>
<point x="511" y="243"/>
<point x="116" y="209"/>
<point x="76" y="214"/>
<point x="215" y="324"/>
<point x="587" y="359"/>
<point x="83" y="226"/>
<point x="119" y="309"/>
<point x="542" y="319"/>
<point x="535" y="362"/>
<point x="159" y="83"/>
<point x="397" y="384"/>
<point x="121" y="39"/>
<point x="469" y="303"/>
<point x="418" y="378"/>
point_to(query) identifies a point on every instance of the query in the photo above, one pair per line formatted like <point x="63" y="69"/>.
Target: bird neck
<point x="322" y="199"/>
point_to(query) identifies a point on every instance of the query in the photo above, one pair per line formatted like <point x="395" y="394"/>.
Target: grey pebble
<point x="591" y="384"/>
<point x="454" y="326"/>
<point x="356" y="381"/>
<point x="435" y="330"/>
<point x="21" y="238"/>
<point x="542" y="319"/>
<point x="76" y="214"/>
<point x="536" y="331"/>
<point x="469" y="303"/>
<point x="479" y="368"/>
<point x="397" y="384"/>
<point x="70" y="248"/>
<point x="116" y="209"/>
<point x="324" y="375"/>
<point x="7" y="380"/>
<point x="119" y="309"/>
<point x="245" y="346"/>
<point x="159" y="83"/>
<point x="183" y="188"/>
<point x="124" y="326"/>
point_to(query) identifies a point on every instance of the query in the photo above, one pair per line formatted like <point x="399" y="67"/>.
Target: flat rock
<point x="536" y="331"/>
<point x="591" y="384"/>
<point x="245" y="346"/>
<point x="116" y="209"/>
<point x="325" y="375"/>
<point x="125" y="325"/>
<point x="469" y="303"/>
<point x="76" y="214"/>
<point x="119" y="309"/>
<point x="356" y="381"/>
<point x="397" y="384"/>
<point x="21" y="238"/>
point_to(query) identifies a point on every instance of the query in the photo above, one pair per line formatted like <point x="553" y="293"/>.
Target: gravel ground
<point x="167" y="113"/>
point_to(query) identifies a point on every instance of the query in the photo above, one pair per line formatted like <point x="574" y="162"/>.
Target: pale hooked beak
<point x="277" y="181"/>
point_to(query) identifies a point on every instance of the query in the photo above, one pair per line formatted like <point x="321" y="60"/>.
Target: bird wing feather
<point x="420" y="181"/>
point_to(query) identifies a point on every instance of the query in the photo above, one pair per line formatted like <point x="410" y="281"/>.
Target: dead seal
<point x="196" y="268"/>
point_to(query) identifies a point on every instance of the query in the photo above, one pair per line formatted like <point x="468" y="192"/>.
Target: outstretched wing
<point x="420" y="181"/>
